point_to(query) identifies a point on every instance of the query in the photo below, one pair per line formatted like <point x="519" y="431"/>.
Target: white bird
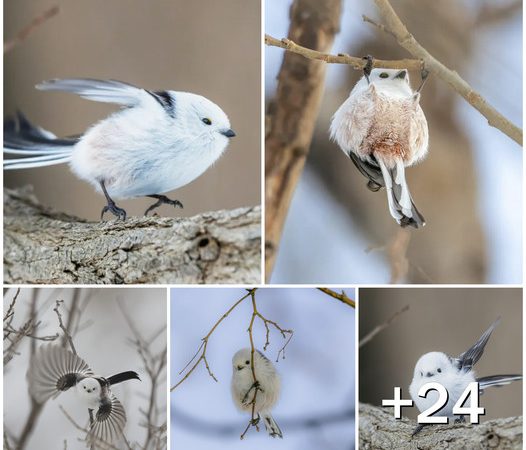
<point x="53" y="370"/>
<point x="382" y="128"/>
<point x="158" y="141"/>
<point x="454" y="374"/>
<point x="268" y="385"/>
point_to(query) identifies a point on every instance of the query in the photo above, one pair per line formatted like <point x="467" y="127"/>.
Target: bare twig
<point x="378" y="329"/>
<point x="356" y="62"/>
<point x="341" y="297"/>
<point x="25" y="32"/>
<point x="201" y="351"/>
<point x="67" y="336"/>
<point x="394" y="26"/>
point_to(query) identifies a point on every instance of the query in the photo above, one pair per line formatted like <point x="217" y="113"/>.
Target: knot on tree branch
<point x="42" y="246"/>
<point x="379" y="430"/>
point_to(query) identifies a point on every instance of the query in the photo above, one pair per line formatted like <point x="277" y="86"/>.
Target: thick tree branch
<point x="393" y="25"/>
<point x="378" y="429"/>
<point x="341" y="297"/>
<point x="292" y="114"/>
<point x="46" y="247"/>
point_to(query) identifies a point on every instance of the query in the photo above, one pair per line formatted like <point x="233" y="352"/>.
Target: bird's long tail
<point x="271" y="426"/>
<point x="36" y="146"/>
<point x="497" y="381"/>
<point x="401" y="205"/>
<point x="123" y="376"/>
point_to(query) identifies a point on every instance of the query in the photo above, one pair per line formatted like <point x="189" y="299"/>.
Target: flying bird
<point x="157" y="142"/>
<point x="455" y="374"/>
<point x="267" y="386"/>
<point x="53" y="370"/>
<point x="382" y="128"/>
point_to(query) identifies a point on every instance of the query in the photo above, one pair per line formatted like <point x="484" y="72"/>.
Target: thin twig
<point x="25" y="32"/>
<point x="67" y="336"/>
<point x="368" y="337"/>
<point x="394" y="26"/>
<point x="341" y="297"/>
<point x="201" y="351"/>
<point x="341" y="58"/>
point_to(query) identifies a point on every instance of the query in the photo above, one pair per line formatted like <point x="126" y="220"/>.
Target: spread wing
<point x="109" y="422"/>
<point x="108" y="91"/>
<point x="470" y="357"/>
<point x="54" y="369"/>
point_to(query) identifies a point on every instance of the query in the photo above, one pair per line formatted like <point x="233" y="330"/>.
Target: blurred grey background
<point x="103" y="342"/>
<point x="317" y="374"/>
<point x="446" y="320"/>
<point x="470" y="186"/>
<point x="204" y="46"/>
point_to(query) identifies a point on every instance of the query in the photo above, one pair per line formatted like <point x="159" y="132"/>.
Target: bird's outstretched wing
<point x="108" y="91"/>
<point x="109" y="421"/>
<point x="469" y="358"/>
<point x="54" y="369"/>
<point x="497" y="381"/>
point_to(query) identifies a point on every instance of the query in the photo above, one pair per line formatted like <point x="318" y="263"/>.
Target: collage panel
<point x="411" y="337"/>
<point x="301" y="393"/>
<point x="390" y="180"/>
<point x="85" y="368"/>
<point x="132" y="145"/>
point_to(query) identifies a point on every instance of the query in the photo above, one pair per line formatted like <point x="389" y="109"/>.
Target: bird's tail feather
<point x="123" y="376"/>
<point x="401" y="205"/>
<point x="38" y="147"/>
<point x="271" y="426"/>
<point x="497" y="381"/>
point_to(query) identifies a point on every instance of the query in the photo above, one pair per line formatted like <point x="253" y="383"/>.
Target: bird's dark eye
<point x="439" y="370"/>
<point x="207" y="121"/>
<point x="384" y="75"/>
<point x="247" y="362"/>
<point x="421" y="374"/>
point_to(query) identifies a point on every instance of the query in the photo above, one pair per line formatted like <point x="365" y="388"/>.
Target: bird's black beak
<point x="401" y="74"/>
<point x="228" y="133"/>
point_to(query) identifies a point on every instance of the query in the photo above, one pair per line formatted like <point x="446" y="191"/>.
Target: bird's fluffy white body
<point x="242" y="387"/>
<point x="383" y="125"/>
<point x="437" y="367"/>
<point x="140" y="154"/>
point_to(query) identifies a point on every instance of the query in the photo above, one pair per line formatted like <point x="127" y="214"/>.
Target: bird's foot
<point x="418" y="429"/>
<point x="114" y="209"/>
<point x="368" y="67"/>
<point x="162" y="200"/>
<point x="255" y="386"/>
<point x="424" y="73"/>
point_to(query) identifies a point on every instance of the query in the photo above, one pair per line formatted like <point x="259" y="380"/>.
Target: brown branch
<point x="356" y="62"/>
<point x="393" y="25"/>
<point x="201" y="351"/>
<point x="378" y="329"/>
<point x="293" y="113"/>
<point x="25" y="32"/>
<point x="67" y="336"/>
<point x="341" y="297"/>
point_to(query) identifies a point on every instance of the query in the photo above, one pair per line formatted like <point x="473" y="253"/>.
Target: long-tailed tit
<point x="53" y="369"/>
<point x="158" y="141"/>
<point x="382" y="128"/>
<point x="267" y="385"/>
<point x="454" y="374"/>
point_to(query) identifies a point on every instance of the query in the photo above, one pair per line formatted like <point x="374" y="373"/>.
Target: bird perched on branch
<point x="53" y="370"/>
<point x="256" y="396"/>
<point x="382" y="128"/>
<point x="158" y="142"/>
<point x="455" y="374"/>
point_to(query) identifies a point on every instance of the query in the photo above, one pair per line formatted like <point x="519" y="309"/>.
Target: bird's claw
<point x="115" y="210"/>
<point x="163" y="200"/>
<point x="368" y="67"/>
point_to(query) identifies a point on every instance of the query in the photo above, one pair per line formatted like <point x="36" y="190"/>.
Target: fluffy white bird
<point x="53" y="369"/>
<point x="268" y="387"/>
<point x="382" y="128"/>
<point x="158" y="141"/>
<point x="454" y="374"/>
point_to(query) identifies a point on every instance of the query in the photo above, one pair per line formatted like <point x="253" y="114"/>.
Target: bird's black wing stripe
<point x="165" y="100"/>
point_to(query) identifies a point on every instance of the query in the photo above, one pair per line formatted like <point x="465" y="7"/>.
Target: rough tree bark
<point x="42" y="246"/>
<point x="292" y="114"/>
<point x="379" y="430"/>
